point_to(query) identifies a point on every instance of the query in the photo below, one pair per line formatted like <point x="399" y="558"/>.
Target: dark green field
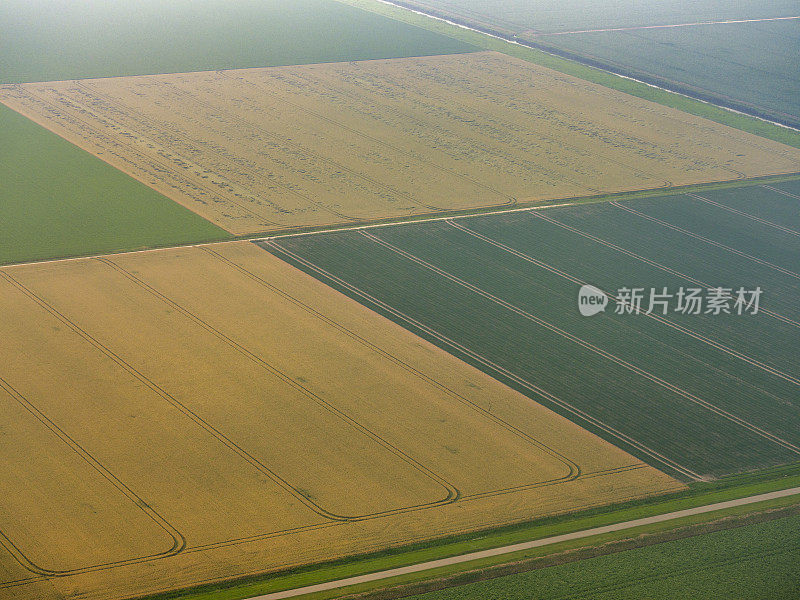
<point x="697" y="395"/>
<point x="48" y="40"/>
<point x="57" y="200"/>
<point x="750" y="67"/>
<point x="757" y="561"/>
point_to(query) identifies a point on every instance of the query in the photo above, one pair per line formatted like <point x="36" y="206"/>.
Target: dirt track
<point x="454" y="560"/>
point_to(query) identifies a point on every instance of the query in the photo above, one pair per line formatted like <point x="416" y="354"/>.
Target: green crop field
<point x="754" y="561"/>
<point x="58" y="200"/>
<point x="49" y="40"/>
<point x="698" y="395"/>
<point x="747" y="66"/>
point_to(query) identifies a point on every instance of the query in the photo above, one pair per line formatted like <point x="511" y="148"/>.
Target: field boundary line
<point x="452" y="492"/>
<point x="696" y="236"/>
<point x="649" y="261"/>
<point x="505" y="373"/>
<point x="728" y="22"/>
<point x="575" y="469"/>
<point x="329" y="228"/>
<point x="782" y="192"/>
<point x="493" y="552"/>
<point x="515" y="40"/>
<point x="745" y="214"/>
<point x="142" y="120"/>
<point x="178" y="540"/>
<point x="132" y="148"/>
<point x="591" y="347"/>
<point x="230" y="444"/>
<point x="656" y="317"/>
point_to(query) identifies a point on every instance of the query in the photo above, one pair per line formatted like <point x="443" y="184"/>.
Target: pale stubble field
<point x="271" y="149"/>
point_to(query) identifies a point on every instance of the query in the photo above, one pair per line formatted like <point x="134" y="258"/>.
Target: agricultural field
<point x="79" y="40"/>
<point x="699" y="395"/>
<point x="259" y="150"/>
<point x="758" y="562"/>
<point x="56" y="199"/>
<point x="289" y="293"/>
<point x="199" y="414"/>
<point x="540" y="16"/>
<point x="748" y="66"/>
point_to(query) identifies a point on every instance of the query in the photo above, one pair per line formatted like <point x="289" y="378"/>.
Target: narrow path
<point x="669" y="26"/>
<point x="463" y="558"/>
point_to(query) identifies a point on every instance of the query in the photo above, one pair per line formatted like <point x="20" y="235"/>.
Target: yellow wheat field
<point x="188" y="415"/>
<point x="258" y="150"/>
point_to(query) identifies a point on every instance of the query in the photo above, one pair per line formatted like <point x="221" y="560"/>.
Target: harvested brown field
<point x="191" y="415"/>
<point x="268" y="149"/>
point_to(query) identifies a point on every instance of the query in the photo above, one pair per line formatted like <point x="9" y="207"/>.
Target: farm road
<point x="454" y="560"/>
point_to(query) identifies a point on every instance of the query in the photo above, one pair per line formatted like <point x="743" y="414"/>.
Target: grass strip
<point x="698" y="494"/>
<point x="787" y="136"/>
<point x="548" y="558"/>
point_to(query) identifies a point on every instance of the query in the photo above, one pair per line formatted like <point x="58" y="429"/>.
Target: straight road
<point x="463" y="558"/>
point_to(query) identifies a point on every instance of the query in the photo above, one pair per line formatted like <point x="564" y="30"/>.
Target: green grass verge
<point x="57" y="200"/>
<point x="641" y="90"/>
<point x="619" y="196"/>
<point x="106" y="39"/>
<point x="700" y="494"/>
<point x="752" y="561"/>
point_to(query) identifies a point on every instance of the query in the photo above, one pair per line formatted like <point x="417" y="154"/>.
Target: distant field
<point x="58" y="200"/>
<point x="183" y="416"/>
<point x="758" y="562"/>
<point x="747" y="66"/>
<point x="269" y="149"/>
<point x="49" y="40"/>
<point x="542" y="16"/>
<point x="702" y="395"/>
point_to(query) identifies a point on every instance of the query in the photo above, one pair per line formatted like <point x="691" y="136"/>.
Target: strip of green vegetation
<point x="699" y="494"/>
<point x="464" y="573"/>
<point x="620" y="196"/>
<point x="753" y="561"/>
<point x="57" y="200"/>
<point x="709" y="111"/>
<point x="76" y="40"/>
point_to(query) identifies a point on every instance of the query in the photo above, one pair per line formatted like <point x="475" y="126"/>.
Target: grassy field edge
<point x="639" y="538"/>
<point x="474" y="212"/>
<point x="715" y="113"/>
<point x="294" y="231"/>
<point x="698" y="494"/>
